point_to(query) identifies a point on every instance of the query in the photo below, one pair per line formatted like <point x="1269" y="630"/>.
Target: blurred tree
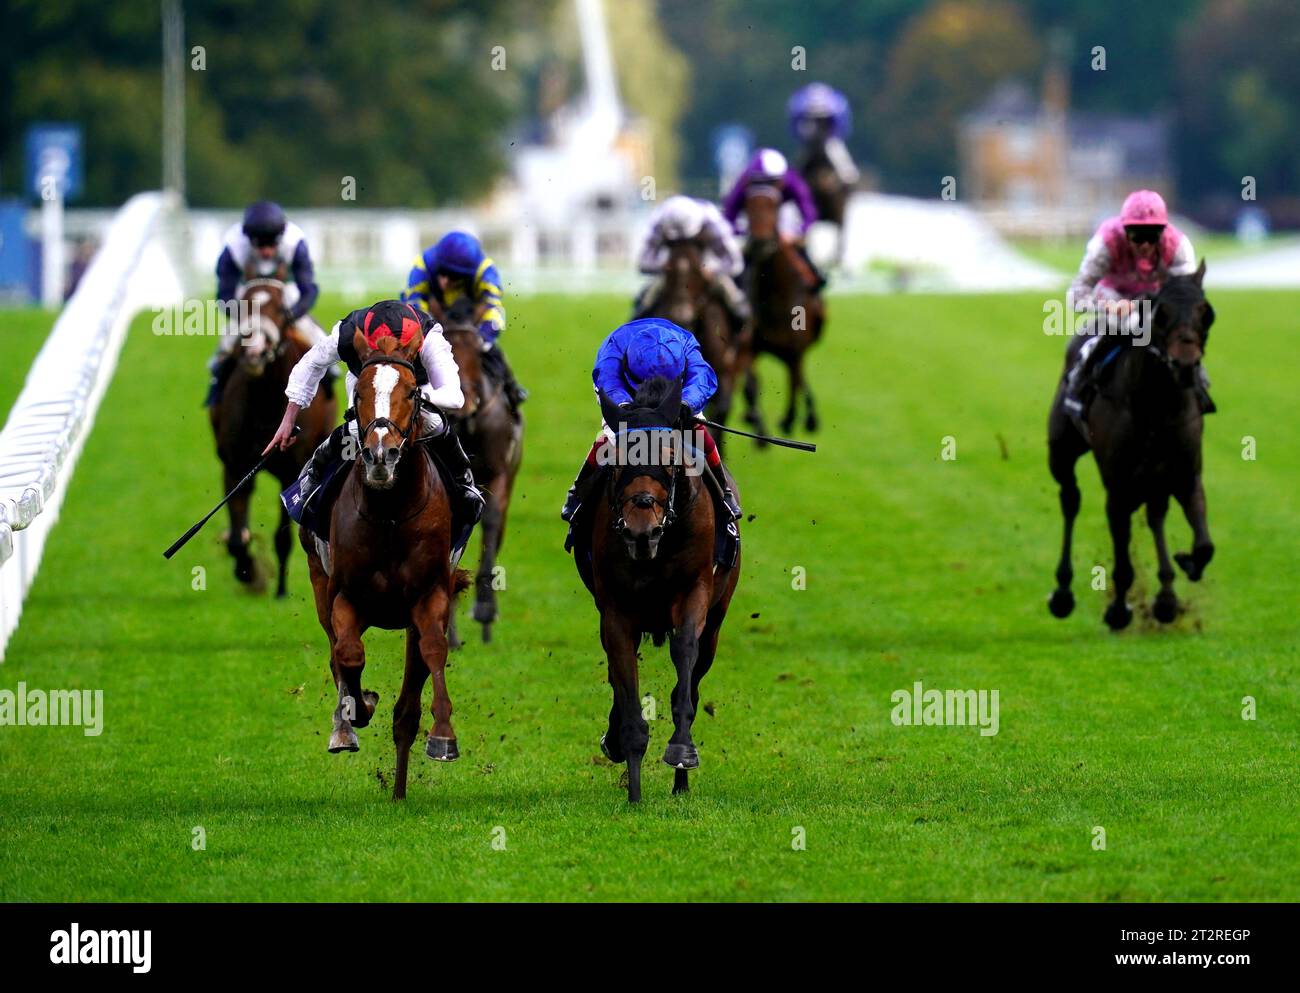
<point x="1240" y="99"/>
<point x="295" y="95"/>
<point x="945" y="62"/>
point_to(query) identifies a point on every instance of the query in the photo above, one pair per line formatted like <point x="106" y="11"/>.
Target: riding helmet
<point x="264" y="222"/>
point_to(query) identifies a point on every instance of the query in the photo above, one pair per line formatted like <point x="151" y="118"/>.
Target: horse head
<point x="260" y="318"/>
<point x="388" y="404"/>
<point x="644" y="485"/>
<point x="1180" y="323"/>
<point x="762" y="212"/>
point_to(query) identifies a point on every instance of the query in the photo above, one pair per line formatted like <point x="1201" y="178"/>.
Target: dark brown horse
<point x="387" y="564"/>
<point x="249" y="411"/>
<point x="788" y="315"/>
<point x="1144" y="428"/>
<point x="689" y="302"/>
<point x="829" y="192"/>
<point x="493" y="438"/>
<point x="651" y="572"/>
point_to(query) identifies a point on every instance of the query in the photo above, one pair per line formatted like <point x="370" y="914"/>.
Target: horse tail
<point x="460" y="580"/>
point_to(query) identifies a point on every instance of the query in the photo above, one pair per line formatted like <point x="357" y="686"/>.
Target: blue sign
<point x="54" y="156"/>
<point x="732" y="144"/>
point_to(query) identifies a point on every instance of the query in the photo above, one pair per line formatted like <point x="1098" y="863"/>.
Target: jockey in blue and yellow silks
<point x="456" y="269"/>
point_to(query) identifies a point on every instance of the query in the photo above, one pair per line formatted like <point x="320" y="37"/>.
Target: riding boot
<point x="578" y="491"/>
<point x="327" y="452"/>
<point x="728" y="495"/>
<point x="219" y="369"/>
<point x="467" y="500"/>
<point x="1208" y="406"/>
<point x="1079" y="385"/>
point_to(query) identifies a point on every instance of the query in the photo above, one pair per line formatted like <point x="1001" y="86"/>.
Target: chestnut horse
<point x="387" y="564"/>
<point x="249" y="411"/>
<point x="1144" y="428"/>
<point x="788" y="315"/>
<point x="493" y="438"/>
<point x="651" y="572"/>
<point x="688" y="302"/>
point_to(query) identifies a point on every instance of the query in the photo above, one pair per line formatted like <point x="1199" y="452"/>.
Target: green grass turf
<point x="218" y="702"/>
<point x="22" y="333"/>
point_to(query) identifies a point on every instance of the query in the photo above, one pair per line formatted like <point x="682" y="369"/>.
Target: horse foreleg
<point x="794" y="366"/>
<point x="238" y="538"/>
<point x="1119" y="514"/>
<point x="1165" y="607"/>
<point x="1061" y="460"/>
<point x="1193" y="503"/>
<point x="754" y="412"/>
<point x="620" y="638"/>
<point x="430" y="617"/>
<point x="485" y="597"/>
<point x="684" y="646"/>
<point x="406" y="711"/>
<point x="348" y="659"/>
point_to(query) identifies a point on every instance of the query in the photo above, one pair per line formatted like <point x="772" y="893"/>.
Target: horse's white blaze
<point x="385" y="379"/>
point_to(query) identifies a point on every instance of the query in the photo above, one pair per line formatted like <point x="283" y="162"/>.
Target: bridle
<point x="667" y="506"/>
<point x="386" y="422"/>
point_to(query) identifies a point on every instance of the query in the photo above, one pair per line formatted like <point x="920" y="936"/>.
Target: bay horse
<point x="689" y="302"/>
<point x="788" y="315"/>
<point x="829" y="192"/>
<point x="387" y="564"/>
<point x="651" y="573"/>
<point x="249" y="411"/>
<point x="1144" y="429"/>
<point x="493" y="438"/>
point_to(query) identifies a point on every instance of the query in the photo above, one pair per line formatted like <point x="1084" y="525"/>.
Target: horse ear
<point x="362" y="346"/>
<point x="609" y="410"/>
<point x="1200" y="272"/>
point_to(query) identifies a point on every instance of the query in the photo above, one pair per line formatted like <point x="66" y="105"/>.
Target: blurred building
<point x="1035" y="167"/>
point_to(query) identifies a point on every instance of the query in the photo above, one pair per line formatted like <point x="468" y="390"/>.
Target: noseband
<point x="617" y="503"/>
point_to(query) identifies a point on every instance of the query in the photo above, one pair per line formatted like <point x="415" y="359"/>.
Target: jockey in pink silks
<point x="1128" y="258"/>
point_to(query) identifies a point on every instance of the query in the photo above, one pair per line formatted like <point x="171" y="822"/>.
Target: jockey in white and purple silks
<point x="820" y="117"/>
<point x="683" y="218"/>
<point x="1130" y="256"/>
<point x="770" y="168"/>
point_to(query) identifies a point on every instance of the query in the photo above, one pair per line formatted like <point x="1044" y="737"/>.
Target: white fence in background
<point x="53" y="414"/>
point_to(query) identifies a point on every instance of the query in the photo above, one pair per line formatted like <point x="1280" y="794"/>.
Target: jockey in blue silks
<point x="456" y="268"/>
<point x="633" y="353"/>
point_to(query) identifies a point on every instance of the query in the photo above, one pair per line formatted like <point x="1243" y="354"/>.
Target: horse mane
<point x="653" y="392"/>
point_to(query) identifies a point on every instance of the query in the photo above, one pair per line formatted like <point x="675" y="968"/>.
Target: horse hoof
<point x="1193" y="563"/>
<point x="1165" y="608"/>
<point x="344" y="741"/>
<point x="487" y="633"/>
<point x="442" y="749"/>
<point x="244" y="572"/>
<point x="1061" y="603"/>
<point x="484" y="613"/>
<point x="681" y="756"/>
<point x="811" y="424"/>
<point x="610" y="752"/>
<point x="681" y="782"/>
<point x="1118" y="615"/>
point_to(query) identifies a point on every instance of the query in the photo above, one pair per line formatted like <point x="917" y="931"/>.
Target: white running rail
<point x="53" y="414"/>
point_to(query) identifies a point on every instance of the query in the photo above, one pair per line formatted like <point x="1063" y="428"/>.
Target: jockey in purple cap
<point x="820" y="120"/>
<point x="769" y="167"/>
<point x="1129" y="257"/>
<point x="633" y="353"/>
